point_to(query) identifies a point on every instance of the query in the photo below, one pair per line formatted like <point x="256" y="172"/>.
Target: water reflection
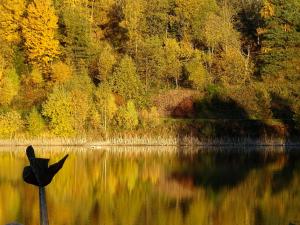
<point x="102" y="187"/>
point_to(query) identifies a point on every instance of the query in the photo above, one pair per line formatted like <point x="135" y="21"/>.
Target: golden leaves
<point x="268" y="10"/>
<point x="11" y="12"/>
<point x="39" y="30"/>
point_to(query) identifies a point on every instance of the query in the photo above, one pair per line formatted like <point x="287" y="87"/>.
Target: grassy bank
<point x="144" y="141"/>
<point x="175" y="132"/>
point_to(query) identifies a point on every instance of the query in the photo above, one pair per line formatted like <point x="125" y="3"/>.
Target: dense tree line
<point x="68" y="66"/>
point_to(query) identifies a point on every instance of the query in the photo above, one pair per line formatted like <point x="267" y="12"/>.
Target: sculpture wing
<point x="54" y="168"/>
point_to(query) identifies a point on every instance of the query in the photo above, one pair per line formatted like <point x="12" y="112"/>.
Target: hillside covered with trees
<point x="96" y="67"/>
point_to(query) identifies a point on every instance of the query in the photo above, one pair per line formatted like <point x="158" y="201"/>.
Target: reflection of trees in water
<point x="208" y="188"/>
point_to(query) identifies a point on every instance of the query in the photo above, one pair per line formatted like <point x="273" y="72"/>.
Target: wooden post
<point x="43" y="207"/>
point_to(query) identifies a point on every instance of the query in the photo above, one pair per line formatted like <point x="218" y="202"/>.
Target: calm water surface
<point x="113" y="188"/>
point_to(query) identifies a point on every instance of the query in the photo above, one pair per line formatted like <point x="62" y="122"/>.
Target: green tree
<point x="105" y="63"/>
<point x="173" y="67"/>
<point x="77" y="39"/>
<point x="233" y="68"/>
<point x="190" y="16"/>
<point x="105" y="104"/>
<point x="58" y="108"/>
<point x="125" y="80"/>
<point x="156" y="18"/>
<point x="39" y="30"/>
<point x="151" y="62"/>
<point x="133" y="21"/>
<point x="126" y="117"/>
<point x="280" y="50"/>
<point x="197" y="73"/>
<point x="81" y="91"/>
<point x="219" y="32"/>
<point x="35" y="123"/>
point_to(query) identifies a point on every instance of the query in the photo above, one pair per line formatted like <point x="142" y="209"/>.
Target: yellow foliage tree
<point x="9" y="87"/>
<point x="150" y="118"/>
<point x="35" y="77"/>
<point x="11" y="12"/>
<point x="35" y="122"/>
<point x="234" y="68"/>
<point x="39" y="28"/>
<point x="268" y="10"/>
<point x="105" y="62"/>
<point x="133" y="19"/>
<point x="105" y="104"/>
<point x="126" y="117"/>
<point x="10" y="123"/>
<point x="173" y="64"/>
<point x="61" y="72"/>
<point x="197" y="73"/>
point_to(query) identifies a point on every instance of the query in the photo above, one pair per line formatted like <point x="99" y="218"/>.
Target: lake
<point x="157" y="186"/>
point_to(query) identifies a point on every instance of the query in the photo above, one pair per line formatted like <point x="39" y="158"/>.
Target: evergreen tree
<point x="77" y="35"/>
<point x="280" y="48"/>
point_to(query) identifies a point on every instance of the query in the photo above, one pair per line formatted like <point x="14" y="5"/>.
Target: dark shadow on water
<point x="281" y="179"/>
<point x="218" y="170"/>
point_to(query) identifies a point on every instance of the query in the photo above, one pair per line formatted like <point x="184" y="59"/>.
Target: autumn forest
<point x="71" y="68"/>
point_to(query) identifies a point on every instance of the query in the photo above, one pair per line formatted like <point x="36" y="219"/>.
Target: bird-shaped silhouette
<point x="38" y="173"/>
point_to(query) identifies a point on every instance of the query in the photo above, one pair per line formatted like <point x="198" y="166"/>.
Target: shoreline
<point x="149" y="142"/>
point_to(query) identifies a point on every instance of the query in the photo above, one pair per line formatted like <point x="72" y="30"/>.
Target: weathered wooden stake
<point x="43" y="207"/>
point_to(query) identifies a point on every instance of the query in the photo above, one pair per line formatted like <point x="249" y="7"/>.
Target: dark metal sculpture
<point x="38" y="173"/>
